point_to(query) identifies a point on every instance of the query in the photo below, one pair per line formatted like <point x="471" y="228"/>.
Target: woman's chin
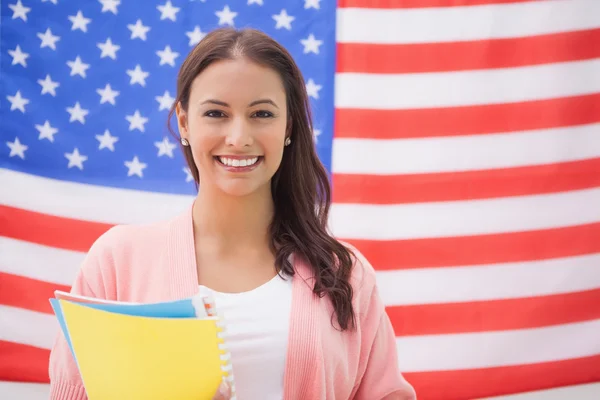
<point x="239" y="189"/>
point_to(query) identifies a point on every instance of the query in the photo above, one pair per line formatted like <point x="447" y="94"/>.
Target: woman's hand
<point x="223" y="393"/>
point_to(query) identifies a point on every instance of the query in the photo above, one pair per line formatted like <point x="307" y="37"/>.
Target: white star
<point x="311" y="45"/>
<point x="283" y="20"/>
<point x="109" y="49"/>
<point x="259" y="2"/>
<point x="165" y="101"/>
<point x="167" y="11"/>
<point x="167" y="56"/>
<point x="48" y="86"/>
<point x="79" y="22"/>
<point x="78" y="67"/>
<point x="46" y="131"/>
<point x="311" y="4"/>
<point x="195" y="36"/>
<point x="165" y="147"/>
<point x="17" y="102"/>
<point x="77" y="113"/>
<point x="316" y="134"/>
<point x="51" y="1"/>
<point x="107" y="141"/>
<point x="137" y="75"/>
<point x="107" y="94"/>
<point x="188" y="174"/>
<point x="19" y="11"/>
<point x="18" y="57"/>
<point x="17" y="148"/>
<point x="313" y="89"/>
<point x="135" y="167"/>
<point x="136" y="121"/>
<point x="110" y="5"/>
<point x="48" y="39"/>
<point x="75" y="159"/>
<point x="226" y="16"/>
<point x="138" y="30"/>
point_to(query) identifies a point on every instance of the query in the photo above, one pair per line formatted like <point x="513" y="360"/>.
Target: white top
<point x="256" y="334"/>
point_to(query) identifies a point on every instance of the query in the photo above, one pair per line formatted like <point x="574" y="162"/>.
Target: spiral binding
<point x="226" y="367"/>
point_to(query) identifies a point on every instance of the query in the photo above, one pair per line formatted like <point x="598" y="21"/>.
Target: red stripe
<point x="23" y="292"/>
<point x="22" y="363"/>
<point x="485" y="382"/>
<point x="467" y="120"/>
<point x="495" y="315"/>
<point x="481" y="249"/>
<point x="64" y="233"/>
<point x="420" y="3"/>
<point x="468" y="55"/>
<point x="468" y="185"/>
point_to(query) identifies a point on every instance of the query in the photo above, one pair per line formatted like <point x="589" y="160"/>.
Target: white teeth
<point x="234" y="162"/>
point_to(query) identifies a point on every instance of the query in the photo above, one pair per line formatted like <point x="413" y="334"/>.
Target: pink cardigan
<point x="156" y="262"/>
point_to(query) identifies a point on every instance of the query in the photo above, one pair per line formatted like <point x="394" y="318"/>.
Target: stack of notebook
<point x="169" y="350"/>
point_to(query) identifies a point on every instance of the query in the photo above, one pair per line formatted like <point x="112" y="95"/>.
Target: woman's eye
<point x="263" y="114"/>
<point x="214" y="114"/>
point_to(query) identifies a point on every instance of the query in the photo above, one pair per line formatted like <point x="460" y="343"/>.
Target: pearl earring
<point x="288" y="141"/>
<point x="185" y="142"/>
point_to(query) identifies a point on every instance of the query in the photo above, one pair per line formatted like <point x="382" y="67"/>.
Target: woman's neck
<point x="230" y="223"/>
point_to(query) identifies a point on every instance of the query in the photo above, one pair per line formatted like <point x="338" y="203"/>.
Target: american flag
<point x="462" y="137"/>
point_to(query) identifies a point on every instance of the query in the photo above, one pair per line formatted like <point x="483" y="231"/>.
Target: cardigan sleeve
<point x="65" y="380"/>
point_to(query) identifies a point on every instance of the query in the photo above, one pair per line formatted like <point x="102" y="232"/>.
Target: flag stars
<point x="139" y="30"/>
<point x="188" y="174"/>
<point x="283" y="20"/>
<point x="107" y="141"/>
<point x="226" y="16"/>
<point x="313" y="89"/>
<point x="77" y="113"/>
<point x="79" y="22"/>
<point x="75" y="159"/>
<point x="17" y="149"/>
<point x="109" y="49"/>
<point x="167" y="11"/>
<point x="18" y="56"/>
<point x="107" y="95"/>
<point x="195" y="36"/>
<point x="48" y="39"/>
<point x="19" y="11"/>
<point x="48" y="85"/>
<point x="167" y="56"/>
<point x="17" y="102"/>
<point x="316" y="134"/>
<point x="165" y="147"/>
<point x="311" y="44"/>
<point x="136" y="121"/>
<point x="312" y="4"/>
<point x="78" y="67"/>
<point x="165" y="101"/>
<point x="110" y="5"/>
<point x="46" y="131"/>
<point x="259" y="2"/>
<point x="135" y="167"/>
<point x="137" y="75"/>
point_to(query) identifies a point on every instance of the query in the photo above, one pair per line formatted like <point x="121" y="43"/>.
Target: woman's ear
<point x="182" y="121"/>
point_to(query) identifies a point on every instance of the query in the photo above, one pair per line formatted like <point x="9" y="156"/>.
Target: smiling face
<point x="236" y="125"/>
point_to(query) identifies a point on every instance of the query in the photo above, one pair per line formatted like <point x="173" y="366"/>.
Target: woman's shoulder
<point x="363" y="277"/>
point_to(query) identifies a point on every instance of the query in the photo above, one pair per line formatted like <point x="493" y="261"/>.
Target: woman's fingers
<point x="224" y="392"/>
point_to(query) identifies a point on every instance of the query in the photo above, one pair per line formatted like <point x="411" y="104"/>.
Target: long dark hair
<point x="300" y="187"/>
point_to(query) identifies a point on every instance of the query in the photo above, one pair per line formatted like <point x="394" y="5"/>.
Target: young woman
<point x="304" y="317"/>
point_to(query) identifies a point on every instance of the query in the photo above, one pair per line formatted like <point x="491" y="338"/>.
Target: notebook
<point x="163" y="350"/>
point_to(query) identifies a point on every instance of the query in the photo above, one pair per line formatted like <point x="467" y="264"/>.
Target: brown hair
<point x="300" y="187"/>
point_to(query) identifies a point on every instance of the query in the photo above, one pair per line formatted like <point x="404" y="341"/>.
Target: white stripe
<point x="87" y="202"/>
<point x="465" y="153"/>
<point x="27" y="327"/>
<point x="39" y="262"/>
<point x="458" y="218"/>
<point x="463" y="88"/>
<point x="498" y="349"/>
<point x="489" y="282"/>
<point x="41" y="391"/>
<point x="449" y="24"/>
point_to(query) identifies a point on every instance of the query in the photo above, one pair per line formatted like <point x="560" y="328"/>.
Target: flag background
<point x="462" y="137"/>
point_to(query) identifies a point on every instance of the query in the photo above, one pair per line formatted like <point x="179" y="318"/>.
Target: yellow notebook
<point x="121" y="355"/>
